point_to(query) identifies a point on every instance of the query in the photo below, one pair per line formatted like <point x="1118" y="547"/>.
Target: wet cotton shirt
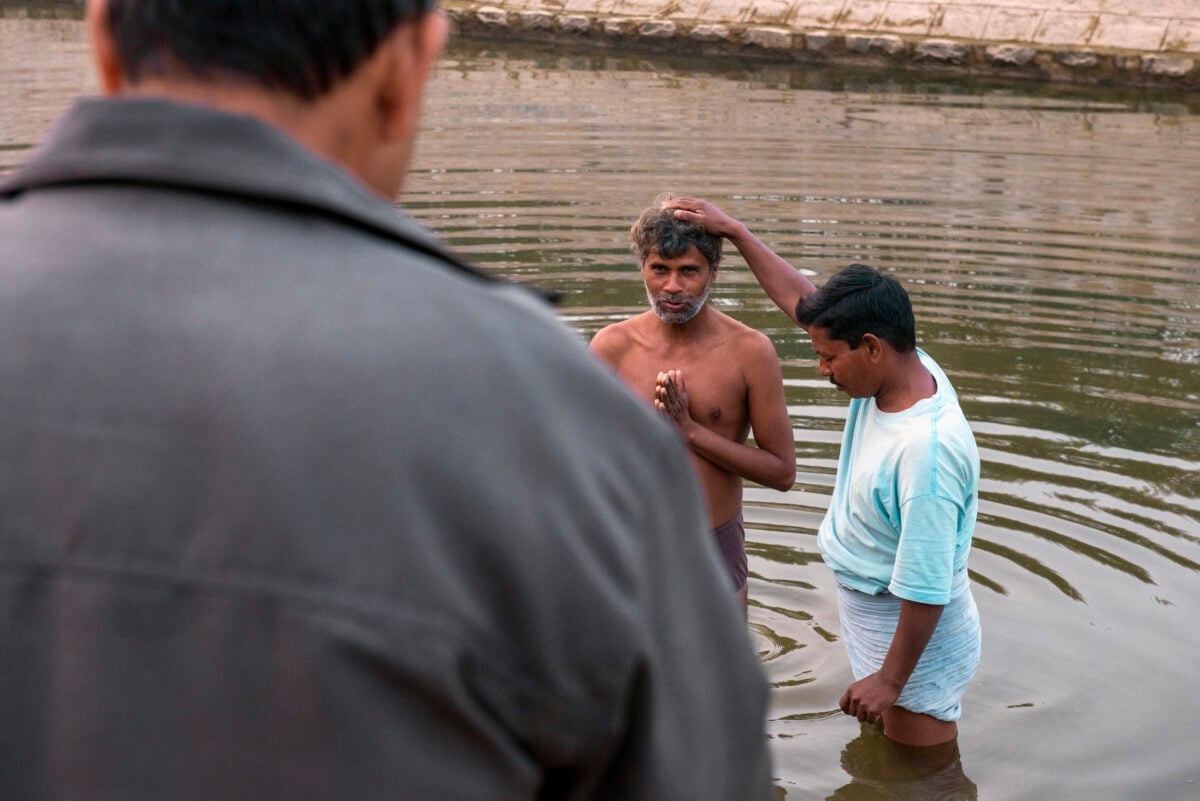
<point x="906" y="496"/>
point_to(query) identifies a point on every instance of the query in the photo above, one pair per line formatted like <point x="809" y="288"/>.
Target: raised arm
<point x="783" y="283"/>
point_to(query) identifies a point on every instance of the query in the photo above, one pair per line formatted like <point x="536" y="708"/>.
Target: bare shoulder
<point x="616" y="338"/>
<point x="750" y="343"/>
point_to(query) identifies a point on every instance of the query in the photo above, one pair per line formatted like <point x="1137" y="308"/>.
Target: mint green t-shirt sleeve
<point x="924" y="568"/>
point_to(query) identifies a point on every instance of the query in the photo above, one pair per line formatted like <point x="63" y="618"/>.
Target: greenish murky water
<point x="1051" y="243"/>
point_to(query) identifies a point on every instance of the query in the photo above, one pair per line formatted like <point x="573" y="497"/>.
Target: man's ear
<point x="874" y="346"/>
<point x="394" y="81"/>
<point x="104" y="48"/>
<point x="413" y="50"/>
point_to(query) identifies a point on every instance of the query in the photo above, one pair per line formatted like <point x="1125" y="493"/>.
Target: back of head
<point x="861" y="300"/>
<point x="658" y="229"/>
<point x="300" y="47"/>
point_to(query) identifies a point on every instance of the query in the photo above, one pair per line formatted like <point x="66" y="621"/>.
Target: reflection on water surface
<point x="1051" y="243"/>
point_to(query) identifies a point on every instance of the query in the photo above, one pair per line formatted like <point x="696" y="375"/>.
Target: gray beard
<point x="683" y="315"/>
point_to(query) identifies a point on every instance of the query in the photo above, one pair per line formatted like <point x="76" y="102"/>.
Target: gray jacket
<point x="295" y="505"/>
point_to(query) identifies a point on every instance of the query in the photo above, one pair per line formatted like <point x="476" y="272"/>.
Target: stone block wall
<point x="1113" y="42"/>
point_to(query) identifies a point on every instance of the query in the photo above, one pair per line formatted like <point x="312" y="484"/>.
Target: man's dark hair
<point x="302" y="47"/>
<point x="658" y="229"/>
<point x="861" y="300"/>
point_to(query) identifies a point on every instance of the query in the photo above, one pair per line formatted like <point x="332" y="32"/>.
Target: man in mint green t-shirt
<point x="899" y="525"/>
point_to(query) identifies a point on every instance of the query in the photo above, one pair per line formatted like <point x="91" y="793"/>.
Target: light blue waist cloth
<point x="946" y="667"/>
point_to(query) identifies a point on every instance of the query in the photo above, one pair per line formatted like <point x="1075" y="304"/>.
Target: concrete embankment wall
<point x="1107" y="42"/>
<point x="1125" y="43"/>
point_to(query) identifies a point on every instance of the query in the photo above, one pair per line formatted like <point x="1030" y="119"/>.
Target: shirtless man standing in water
<point x="715" y="378"/>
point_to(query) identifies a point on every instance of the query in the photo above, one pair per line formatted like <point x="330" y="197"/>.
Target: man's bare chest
<point x="715" y="386"/>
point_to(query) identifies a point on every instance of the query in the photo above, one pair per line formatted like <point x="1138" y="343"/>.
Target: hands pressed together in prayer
<point x="671" y="398"/>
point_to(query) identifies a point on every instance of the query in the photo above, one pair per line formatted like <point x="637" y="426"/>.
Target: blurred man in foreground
<point x="294" y="503"/>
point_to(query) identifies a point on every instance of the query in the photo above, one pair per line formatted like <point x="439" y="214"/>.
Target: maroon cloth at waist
<point x="731" y="541"/>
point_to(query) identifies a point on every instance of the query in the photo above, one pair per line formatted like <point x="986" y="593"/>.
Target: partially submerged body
<point x="863" y="334"/>
<point x="716" y="379"/>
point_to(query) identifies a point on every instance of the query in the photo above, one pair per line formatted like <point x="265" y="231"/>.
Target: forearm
<point x="782" y="282"/>
<point x="868" y="698"/>
<point x="759" y="465"/>
<point x="915" y="628"/>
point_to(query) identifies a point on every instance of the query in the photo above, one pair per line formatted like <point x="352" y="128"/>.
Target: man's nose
<point x="673" y="284"/>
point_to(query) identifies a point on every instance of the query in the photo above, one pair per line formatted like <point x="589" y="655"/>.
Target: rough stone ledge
<point x="918" y="54"/>
<point x="582" y="22"/>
